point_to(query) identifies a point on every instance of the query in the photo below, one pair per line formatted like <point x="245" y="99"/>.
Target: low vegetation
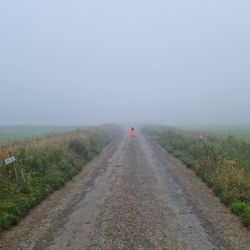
<point x="18" y="134"/>
<point x="223" y="162"/>
<point x="44" y="165"/>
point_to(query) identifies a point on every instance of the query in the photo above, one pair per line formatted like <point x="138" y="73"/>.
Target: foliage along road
<point x="133" y="196"/>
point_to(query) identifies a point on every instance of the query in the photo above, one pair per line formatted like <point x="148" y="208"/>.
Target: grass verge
<point x="223" y="162"/>
<point x="43" y="166"/>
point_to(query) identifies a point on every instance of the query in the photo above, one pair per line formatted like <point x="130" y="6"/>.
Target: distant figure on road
<point x="132" y="132"/>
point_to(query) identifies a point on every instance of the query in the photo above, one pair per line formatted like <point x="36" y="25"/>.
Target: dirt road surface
<point x="133" y="196"/>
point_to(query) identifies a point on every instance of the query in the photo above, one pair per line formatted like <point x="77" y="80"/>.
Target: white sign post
<point x="8" y="170"/>
<point x="9" y="160"/>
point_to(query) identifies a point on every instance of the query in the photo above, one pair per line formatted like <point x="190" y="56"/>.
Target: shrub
<point x="239" y="208"/>
<point x="246" y="218"/>
<point x="78" y="147"/>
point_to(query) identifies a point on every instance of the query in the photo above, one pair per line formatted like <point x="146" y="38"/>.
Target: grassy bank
<point x="223" y="162"/>
<point x="42" y="166"/>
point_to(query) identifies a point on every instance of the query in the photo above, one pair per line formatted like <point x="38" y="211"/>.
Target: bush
<point x="239" y="208"/>
<point x="246" y="218"/>
<point x="78" y="147"/>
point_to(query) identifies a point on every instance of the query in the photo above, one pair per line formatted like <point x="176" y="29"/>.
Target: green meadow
<point x="14" y="134"/>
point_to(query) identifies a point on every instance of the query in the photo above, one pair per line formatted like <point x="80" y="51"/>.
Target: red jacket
<point x="132" y="133"/>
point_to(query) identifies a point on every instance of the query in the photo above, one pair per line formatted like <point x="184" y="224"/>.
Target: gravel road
<point x="133" y="196"/>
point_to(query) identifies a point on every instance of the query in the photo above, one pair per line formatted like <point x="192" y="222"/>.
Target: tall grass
<point x="223" y="162"/>
<point x="44" y="165"/>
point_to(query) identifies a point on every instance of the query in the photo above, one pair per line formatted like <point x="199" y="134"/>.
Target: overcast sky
<point x="87" y="62"/>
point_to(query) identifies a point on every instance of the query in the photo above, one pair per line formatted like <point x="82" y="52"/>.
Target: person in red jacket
<point x="132" y="132"/>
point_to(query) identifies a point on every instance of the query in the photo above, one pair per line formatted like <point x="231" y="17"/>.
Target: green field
<point x="242" y="132"/>
<point x="13" y="134"/>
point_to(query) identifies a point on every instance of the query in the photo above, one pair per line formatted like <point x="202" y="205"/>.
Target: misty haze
<point x="124" y="125"/>
<point x="78" y="62"/>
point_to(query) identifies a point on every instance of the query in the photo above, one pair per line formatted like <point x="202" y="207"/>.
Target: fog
<point x="89" y="62"/>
